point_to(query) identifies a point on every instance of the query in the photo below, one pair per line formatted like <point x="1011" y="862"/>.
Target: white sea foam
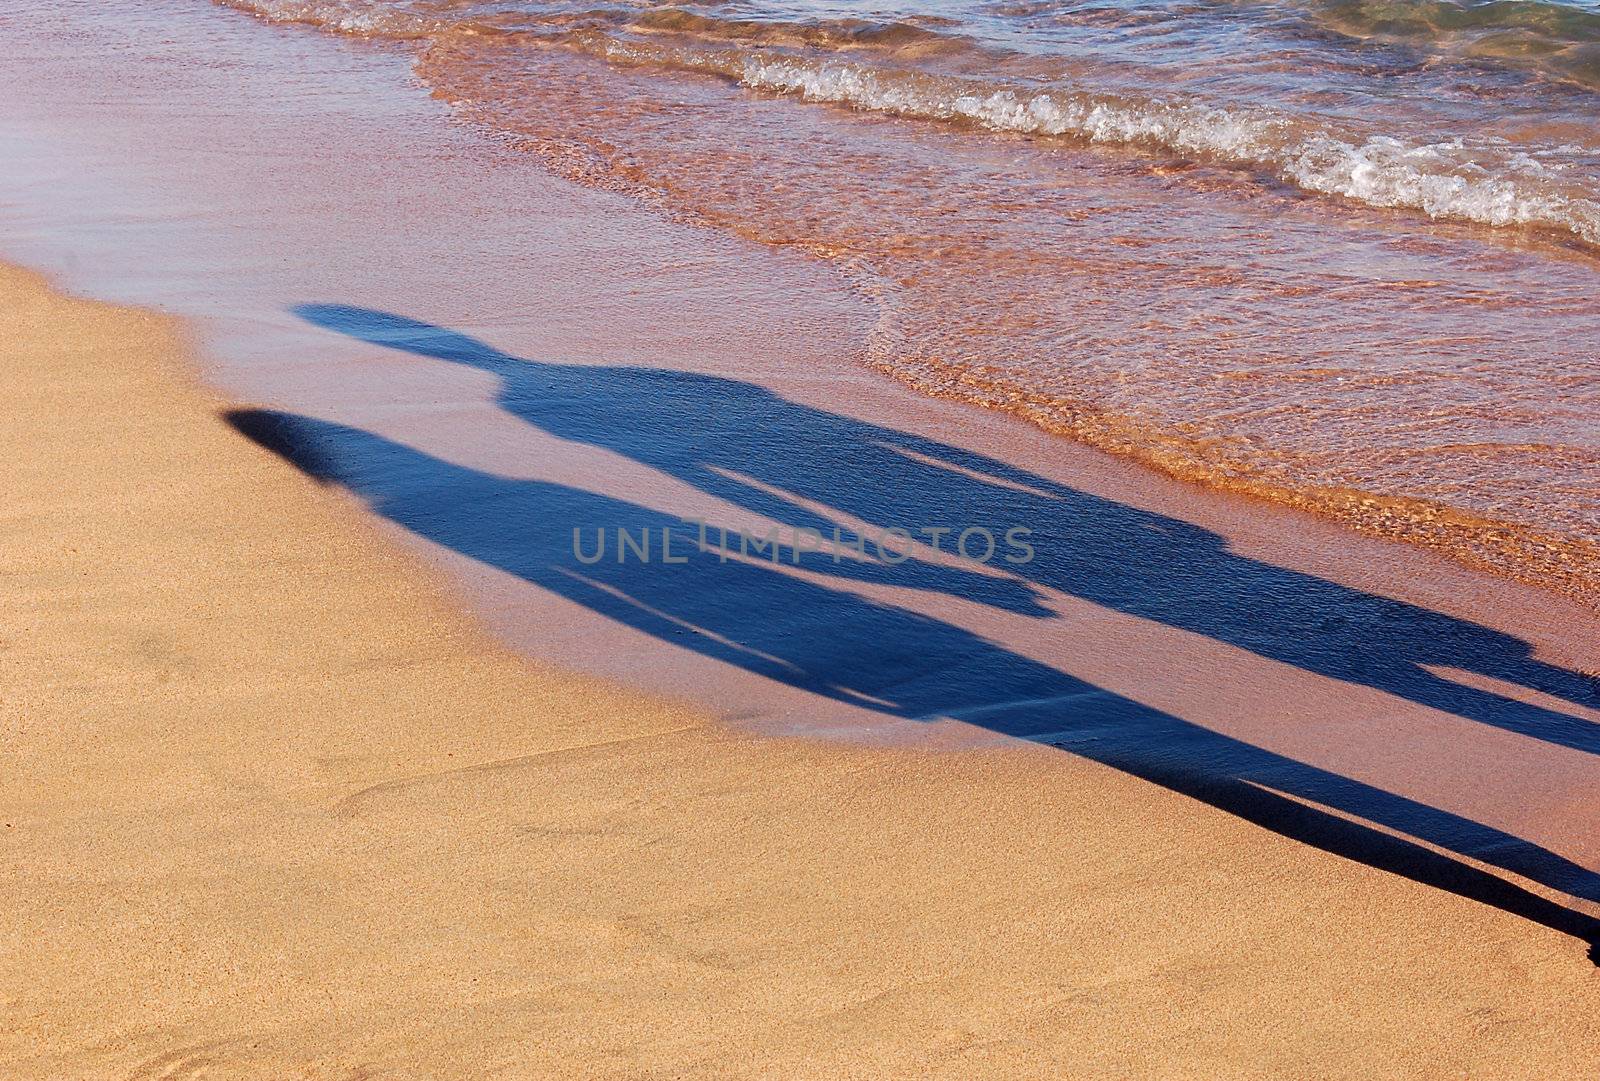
<point x="1433" y="178"/>
<point x="344" y="16"/>
<point x="1443" y="180"/>
<point x="1181" y="127"/>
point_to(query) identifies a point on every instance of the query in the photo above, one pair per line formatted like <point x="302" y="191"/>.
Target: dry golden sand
<point x="273" y="809"/>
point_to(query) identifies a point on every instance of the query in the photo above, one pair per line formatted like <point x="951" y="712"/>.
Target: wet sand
<point x="274" y="809"/>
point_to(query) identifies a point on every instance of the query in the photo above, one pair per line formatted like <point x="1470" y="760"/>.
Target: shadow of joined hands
<point x="782" y="460"/>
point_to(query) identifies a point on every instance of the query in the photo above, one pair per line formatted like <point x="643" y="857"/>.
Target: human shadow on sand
<point x="769" y="619"/>
<point x="777" y="458"/>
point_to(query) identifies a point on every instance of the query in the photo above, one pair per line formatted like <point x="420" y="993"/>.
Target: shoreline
<point x="1545" y="548"/>
<point x="276" y="809"/>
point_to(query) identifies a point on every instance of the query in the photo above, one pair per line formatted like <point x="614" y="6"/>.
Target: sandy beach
<point x="327" y="753"/>
<point x="274" y="809"/>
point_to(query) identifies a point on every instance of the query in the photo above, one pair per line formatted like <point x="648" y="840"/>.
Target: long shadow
<point x="767" y="619"/>
<point x="783" y="460"/>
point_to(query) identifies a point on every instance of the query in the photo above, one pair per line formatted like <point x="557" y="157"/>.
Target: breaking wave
<point x="1447" y="179"/>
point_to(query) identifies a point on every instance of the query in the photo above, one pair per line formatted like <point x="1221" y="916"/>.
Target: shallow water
<point x="1340" y="255"/>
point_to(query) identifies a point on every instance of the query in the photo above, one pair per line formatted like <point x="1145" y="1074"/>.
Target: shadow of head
<point x="289" y="437"/>
<point x="398" y="332"/>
